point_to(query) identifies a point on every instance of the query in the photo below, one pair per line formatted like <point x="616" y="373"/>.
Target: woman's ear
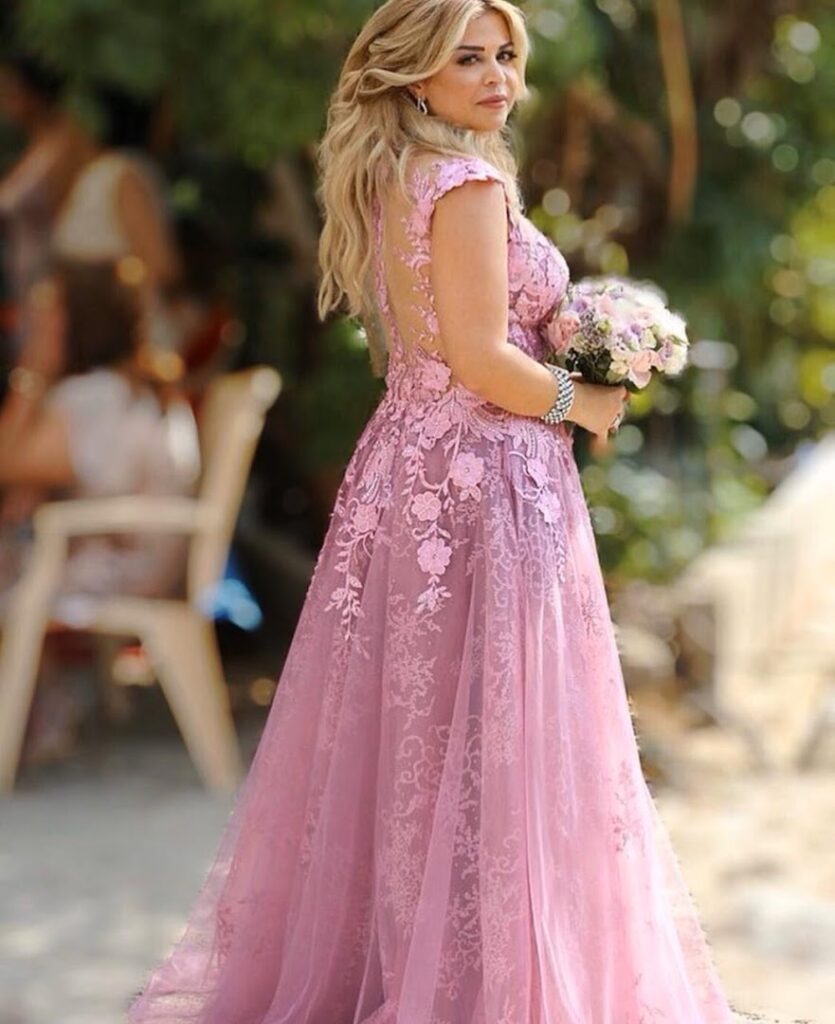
<point x="416" y="92"/>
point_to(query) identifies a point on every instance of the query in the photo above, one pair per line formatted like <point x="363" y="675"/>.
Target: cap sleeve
<point x="432" y="182"/>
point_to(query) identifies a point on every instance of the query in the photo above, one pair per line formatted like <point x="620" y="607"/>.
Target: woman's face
<point x="484" y="67"/>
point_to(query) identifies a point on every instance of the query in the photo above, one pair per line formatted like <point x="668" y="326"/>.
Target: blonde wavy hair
<point x="372" y="128"/>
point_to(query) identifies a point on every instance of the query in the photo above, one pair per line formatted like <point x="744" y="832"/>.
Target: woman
<point x="108" y="428"/>
<point x="446" y="819"/>
<point x="33" y="189"/>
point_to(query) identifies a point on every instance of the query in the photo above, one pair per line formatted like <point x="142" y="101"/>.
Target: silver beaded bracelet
<point x="565" y="395"/>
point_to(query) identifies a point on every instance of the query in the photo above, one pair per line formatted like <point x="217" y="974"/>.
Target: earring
<point x="422" y="105"/>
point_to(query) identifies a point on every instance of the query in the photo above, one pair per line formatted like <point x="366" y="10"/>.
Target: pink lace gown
<point x="446" y="821"/>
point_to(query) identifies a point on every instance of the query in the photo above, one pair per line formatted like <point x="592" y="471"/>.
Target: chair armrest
<point x="129" y="514"/>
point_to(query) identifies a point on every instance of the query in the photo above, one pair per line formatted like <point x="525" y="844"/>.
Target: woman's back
<point x="435" y="458"/>
<point x="537" y="271"/>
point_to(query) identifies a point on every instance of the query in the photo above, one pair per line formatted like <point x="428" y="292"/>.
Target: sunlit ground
<point x="101" y="860"/>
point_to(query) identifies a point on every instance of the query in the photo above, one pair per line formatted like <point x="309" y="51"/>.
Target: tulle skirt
<point x="446" y="820"/>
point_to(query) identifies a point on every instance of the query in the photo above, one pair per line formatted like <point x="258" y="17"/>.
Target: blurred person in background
<point x="116" y="208"/>
<point x="110" y="426"/>
<point x="34" y="188"/>
<point x="112" y="209"/>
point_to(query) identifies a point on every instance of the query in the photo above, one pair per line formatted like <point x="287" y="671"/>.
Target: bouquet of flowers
<point x="616" y="331"/>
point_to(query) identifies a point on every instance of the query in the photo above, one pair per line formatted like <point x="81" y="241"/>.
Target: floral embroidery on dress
<point x="225" y="930"/>
<point x="627" y="823"/>
<point x="438" y="421"/>
<point x="447" y="803"/>
<point x="594" y="615"/>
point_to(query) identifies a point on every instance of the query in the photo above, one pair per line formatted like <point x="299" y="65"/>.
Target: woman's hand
<point x="595" y="406"/>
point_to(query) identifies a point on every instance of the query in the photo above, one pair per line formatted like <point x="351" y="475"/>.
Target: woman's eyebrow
<point x="466" y="47"/>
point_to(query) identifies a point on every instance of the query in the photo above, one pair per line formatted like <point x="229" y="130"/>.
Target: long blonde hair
<point x="373" y="126"/>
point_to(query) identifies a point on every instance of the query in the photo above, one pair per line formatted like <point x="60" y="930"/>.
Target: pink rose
<point x="426" y="506"/>
<point x="640" y="367"/>
<point x="365" y="517"/>
<point x="570" y="322"/>
<point x="467" y="469"/>
<point x="560" y="330"/>
<point x="434" y="556"/>
<point x="606" y="304"/>
<point x="670" y="358"/>
<point x="554" y="336"/>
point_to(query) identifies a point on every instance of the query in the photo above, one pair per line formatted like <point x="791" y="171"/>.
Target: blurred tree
<point x="722" y="212"/>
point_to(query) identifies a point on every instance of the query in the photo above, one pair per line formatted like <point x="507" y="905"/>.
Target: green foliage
<point x="752" y="270"/>
<point x="251" y="77"/>
<point x="752" y="267"/>
<point x="337" y="394"/>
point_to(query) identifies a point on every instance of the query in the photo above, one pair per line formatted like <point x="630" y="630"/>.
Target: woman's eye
<point x="472" y="57"/>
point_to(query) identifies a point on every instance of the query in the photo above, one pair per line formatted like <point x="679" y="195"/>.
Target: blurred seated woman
<point x="112" y="209"/>
<point x="110" y="426"/>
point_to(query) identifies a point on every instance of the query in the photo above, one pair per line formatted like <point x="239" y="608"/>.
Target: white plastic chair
<point x="771" y="592"/>
<point x="179" y="639"/>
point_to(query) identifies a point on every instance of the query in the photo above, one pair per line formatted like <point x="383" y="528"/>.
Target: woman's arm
<point x="147" y="230"/>
<point x="47" y="169"/>
<point x="469" y="283"/>
<point x="38" y="456"/>
<point x="40" y="362"/>
<point x="27" y="176"/>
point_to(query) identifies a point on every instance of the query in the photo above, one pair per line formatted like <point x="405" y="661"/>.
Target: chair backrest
<point x="771" y="581"/>
<point x="231" y="421"/>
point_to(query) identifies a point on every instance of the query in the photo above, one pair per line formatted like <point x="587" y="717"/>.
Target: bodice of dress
<point x="443" y="457"/>
<point x="537" y="273"/>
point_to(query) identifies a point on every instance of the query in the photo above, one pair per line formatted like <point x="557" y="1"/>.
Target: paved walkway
<point x="100" y="861"/>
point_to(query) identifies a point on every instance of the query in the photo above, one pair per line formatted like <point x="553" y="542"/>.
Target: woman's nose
<point x="493" y="72"/>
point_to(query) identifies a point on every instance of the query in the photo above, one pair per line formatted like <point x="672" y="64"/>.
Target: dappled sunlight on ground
<point x="102" y="857"/>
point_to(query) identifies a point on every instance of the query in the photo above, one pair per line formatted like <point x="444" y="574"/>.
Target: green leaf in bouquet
<point x="594" y="366"/>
